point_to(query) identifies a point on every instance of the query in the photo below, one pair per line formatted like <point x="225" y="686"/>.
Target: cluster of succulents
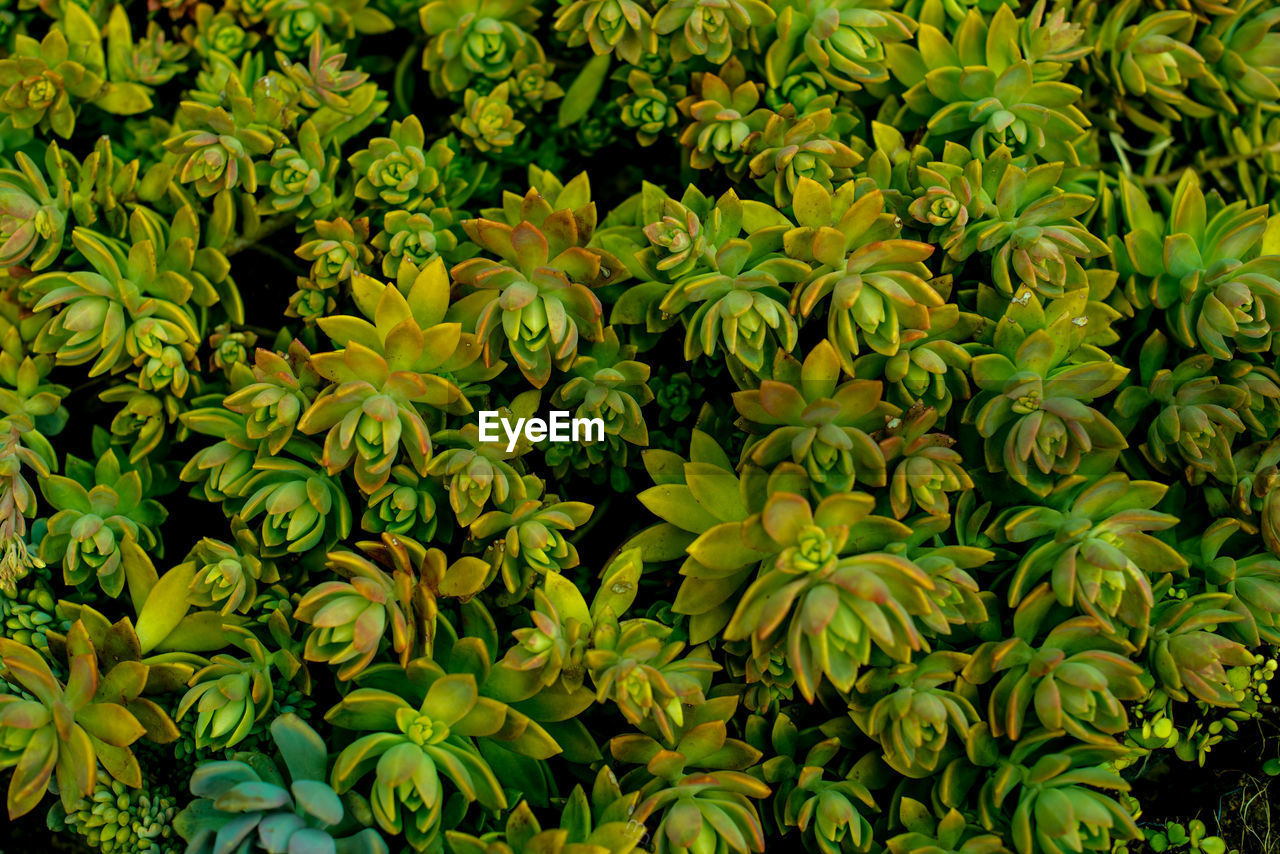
<point x="935" y="347"/>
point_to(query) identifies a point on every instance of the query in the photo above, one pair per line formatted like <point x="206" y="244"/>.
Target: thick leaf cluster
<point x="934" y="345"/>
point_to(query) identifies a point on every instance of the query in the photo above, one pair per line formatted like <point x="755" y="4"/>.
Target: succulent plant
<point x="843" y="41"/>
<point x="1033" y="408"/>
<point x="33" y="215"/>
<point x="980" y="88"/>
<point x="1077" y="680"/>
<point x="624" y="27"/>
<point x="1206" y="270"/>
<point x="724" y="110"/>
<point x="104" y="520"/>
<point x="261" y="809"/>
<point x="538" y="300"/>
<point x="818" y="423"/>
<point x="929" y="501"/>
<point x="479" y="38"/>
<point x="706" y="28"/>
<point x="63" y="729"/>
<point x="871" y="282"/>
<point x="432" y="736"/>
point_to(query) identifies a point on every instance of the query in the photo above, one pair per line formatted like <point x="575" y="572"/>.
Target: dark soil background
<point x="1231" y="794"/>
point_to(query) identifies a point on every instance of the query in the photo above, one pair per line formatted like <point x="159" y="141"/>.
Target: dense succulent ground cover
<point x="938" y="510"/>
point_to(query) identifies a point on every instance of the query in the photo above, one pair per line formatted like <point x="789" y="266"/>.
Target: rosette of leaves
<point x="1033" y="406"/>
<point x="231" y="696"/>
<point x="1077" y="678"/>
<point x="960" y="600"/>
<point x="223" y="469"/>
<point x="924" y="465"/>
<point x="1204" y="267"/>
<point x="650" y="106"/>
<point x="478" y="474"/>
<point x="1261" y="412"/>
<point x="538" y="300"/>
<point x="1254" y="500"/>
<point x="227" y="575"/>
<point x="682" y="234"/>
<point x="423" y="723"/>
<point x="701" y="498"/>
<point x="151" y="60"/>
<point x="553" y="648"/>
<point x="1186" y="654"/>
<point x="533" y="87"/>
<point x="144" y="420"/>
<point x="622" y="27"/>
<point x="488" y="39"/>
<point x="299" y="178"/>
<point x="404" y="505"/>
<point x="33" y="214"/>
<point x="1250" y="580"/>
<point x="1052" y="40"/>
<point x="292" y="23"/>
<point x="929" y="369"/>
<point x="741" y="302"/>
<point x="338" y="250"/>
<point x="250" y="804"/>
<point x="344" y="102"/>
<point x="220" y="31"/>
<point x="351" y="619"/>
<point x="609" y="384"/>
<point x="59" y="730"/>
<point x="724" y="109"/>
<point x="829" y="813"/>
<point x="301" y="509"/>
<point x="138" y="299"/>
<point x="104" y="521"/>
<point x="827" y="609"/>
<point x="310" y="302"/>
<point x="981" y="89"/>
<point x="727" y="529"/>
<point x="399" y="170"/>
<point x="842" y="40"/>
<point x="708" y="28"/>
<point x="1030" y="228"/>
<point x="920" y="723"/>
<point x="140" y="666"/>
<point x="696" y="784"/>
<point x="924" y="834"/>
<point x="1057" y="807"/>
<point x="281" y="390"/>
<point x="790" y="147"/>
<point x="874" y="284"/>
<point x="230" y="347"/>
<point x="216" y="151"/>
<point x="418" y="238"/>
<point x="1093" y="540"/>
<point x="1239" y="49"/>
<point x="946" y="196"/>
<point x="818" y="423"/>
<point x="598" y="826"/>
<point x="677" y="239"/>
<point x="527" y="538"/>
<point x="385" y="371"/>
<point x="1148" y="61"/>
<point x="40" y="79"/>
<point x="1192" y="417"/>
<point x="638" y="665"/>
